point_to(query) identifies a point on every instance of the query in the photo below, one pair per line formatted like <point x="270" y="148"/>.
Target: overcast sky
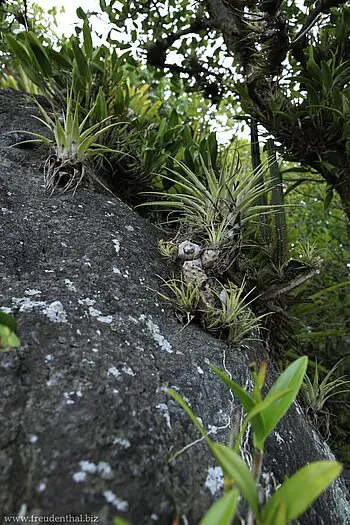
<point x="66" y="20"/>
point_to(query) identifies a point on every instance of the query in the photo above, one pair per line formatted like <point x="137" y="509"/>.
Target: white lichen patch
<point x="165" y="411"/>
<point x="118" y="503"/>
<point x="87" y="301"/>
<point x="68" y="396"/>
<point x="70" y="285"/>
<point x="5" y="211"/>
<point x="116" y="243"/>
<point x="32" y="292"/>
<point x="88" y="466"/>
<point x="130" y="228"/>
<point x="100" y="316"/>
<point x="79" y="476"/>
<point x="154" y="330"/>
<point x="116" y="270"/>
<point x="5" y="309"/>
<point x="113" y="371"/>
<point x="127" y="370"/>
<point x="124" y="443"/>
<point x="26" y="305"/>
<point x="102" y="469"/>
<point x="53" y="311"/>
<point x="215" y="480"/>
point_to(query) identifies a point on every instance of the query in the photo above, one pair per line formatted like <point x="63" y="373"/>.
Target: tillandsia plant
<point x="202" y="201"/>
<point x="316" y="393"/>
<point x="234" y="314"/>
<point x="73" y="145"/>
<point x="8" y="337"/>
<point x="297" y="493"/>
<point x="185" y="297"/>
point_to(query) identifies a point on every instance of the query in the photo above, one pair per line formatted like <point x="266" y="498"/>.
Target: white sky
<point x="67" y="19"/>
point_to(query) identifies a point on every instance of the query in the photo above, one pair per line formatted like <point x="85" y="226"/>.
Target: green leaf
<point x="119" y="103"/>
<point x="8" y="339"/>
<point x="82" y="65"/>
<point x="87" y="40"/>
<point x="19" y="50"/>
<point x="300" y="491"/>
<point x="40" y="54"/>
<point x="234" y="466"/>
<point x="247" y="402"/>
<point x="291" y="380"/>
<point x="8" y="320"/>
<point x="59" y="59"/>
<point x="100" y="106"/>
<point x="223" y="510"/>
<point x="81" y="14"/>
<point x="121" y="521"/>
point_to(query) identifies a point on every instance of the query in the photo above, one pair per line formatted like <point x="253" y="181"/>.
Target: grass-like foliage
<point x="185" y="297"/>
<point x="73" y="144"/>
<point x="316" y="392"/>
<point x="309" y="252"/>
<point x="212" y="201"/>
<point x="234" y="314"/>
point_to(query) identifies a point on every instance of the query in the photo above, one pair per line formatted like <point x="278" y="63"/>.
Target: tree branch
<point x="322" y="6"/>
<point x="156" y="53"/>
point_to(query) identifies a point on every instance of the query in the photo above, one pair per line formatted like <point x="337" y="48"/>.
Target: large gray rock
<point x="86" y="427"/>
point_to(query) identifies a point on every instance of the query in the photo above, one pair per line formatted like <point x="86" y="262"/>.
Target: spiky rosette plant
<point x="74" y="145"/>
<point x="212" y="203"/>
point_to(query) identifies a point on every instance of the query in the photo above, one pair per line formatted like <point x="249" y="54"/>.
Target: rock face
<point x="86" y="427"/>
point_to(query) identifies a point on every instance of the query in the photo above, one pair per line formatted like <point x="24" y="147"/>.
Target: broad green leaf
<point x="87" y="40"/>
<point x="266" y="403"/>
<point x="291" y="380"/>
<point x="60" y="60"/>
<point x="300" y="491"/>
<point x="100" y="106"/>
<point x="80" y="60"/>
<point x="40" y="54"/>
<point x="8" y="320"/>
<point x="81" y="14"/>
<point x="223" y="510"/>
<point x="19" y="50"/>
<point x="8" y="339"/>
<point x="233" y="465"/>
<point x="278" y="515"/>
<point x="119" y="102"/>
